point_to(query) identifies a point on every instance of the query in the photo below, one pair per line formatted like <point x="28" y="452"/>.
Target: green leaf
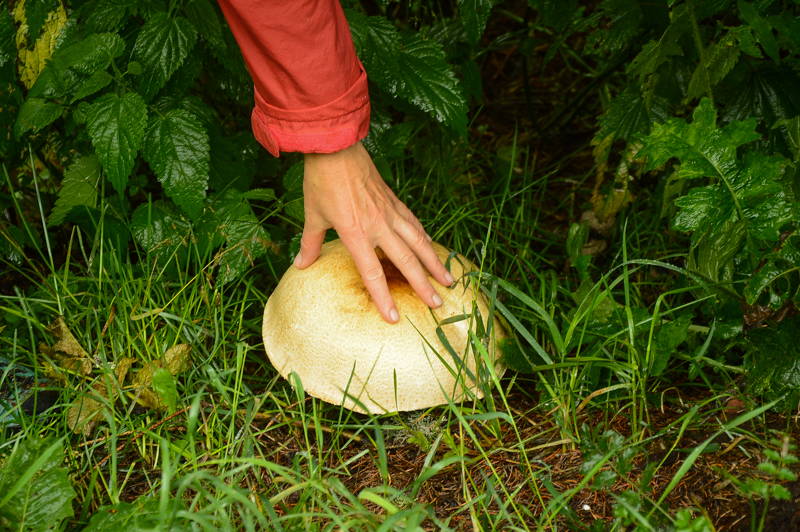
<point x="774" y="362"/>
<point x="627" y="117"/>
<point x="718" y="59"/>
<point x="576" y="240"/>
<point x="36" y="14"/>
<point x="91" y="54"/>
<point x="144" y="515"/>
<point x="35" y="114"/>
<point x="176" y="146"/>
<point x="204" y="18"/>
<point x="555" y="13"/>
<point x="666" y="342"/>
<point x="474" y="14"/>
<point x="40" y="492"/>
<point x="162" y="45"/>
<point x="108" y="15"/>
<point x="471" y="75"/>
<point x="426" y="80"/>
<point x="96" y="82"/>
<point x="762" y="29"/>
<point x="378" y="45"/>
<point x="232" y="160"/>
<point x="230" y="219"/>
<point x="656" y="53"/>
<point x="164" y="385"/>
<point x="116" y="127"/>
<point x="713" y="254"/>
<point x="162" y="231"/>
<point x="293" y="183"/>
<point x="621" y="23"/>
<point x="7" y="32"/>
<point x="78" y="188"/>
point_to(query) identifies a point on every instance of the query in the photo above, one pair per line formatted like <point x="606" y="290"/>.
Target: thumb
<point x="310" y="246"/>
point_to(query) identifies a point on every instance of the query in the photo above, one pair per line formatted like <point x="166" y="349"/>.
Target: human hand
<point x="344" y="191"/>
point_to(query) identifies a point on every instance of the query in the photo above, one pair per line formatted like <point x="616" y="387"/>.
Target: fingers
<point x="405" y="259"/>
<point x="310" y="245"/>
<point x="420" y="247"/>
<point x="406" y="213"/>
<point x="372" y="274"/>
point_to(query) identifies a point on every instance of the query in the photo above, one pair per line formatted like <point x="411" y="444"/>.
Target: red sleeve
<point x="311" y="90"/>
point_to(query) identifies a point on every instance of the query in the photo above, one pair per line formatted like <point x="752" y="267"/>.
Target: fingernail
<point x="298" y="260"/>
<point x="437" y="300"/>
<point x="394" y="316"/>
<point x="447" y="277"/>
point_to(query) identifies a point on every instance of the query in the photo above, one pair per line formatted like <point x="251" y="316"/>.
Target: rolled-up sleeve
<point x="311" y="89"/>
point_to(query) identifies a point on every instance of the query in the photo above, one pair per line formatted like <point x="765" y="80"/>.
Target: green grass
<point x="243" y="450"/>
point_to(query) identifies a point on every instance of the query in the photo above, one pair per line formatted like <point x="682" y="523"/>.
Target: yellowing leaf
<point x="32" y="62"/>
<point x="176" y="359"/>
<point x="82" y="416"/>
<point x="67" y="352"/>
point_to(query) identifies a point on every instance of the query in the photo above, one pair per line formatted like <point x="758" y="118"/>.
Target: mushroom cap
<point x="322" y="324"/>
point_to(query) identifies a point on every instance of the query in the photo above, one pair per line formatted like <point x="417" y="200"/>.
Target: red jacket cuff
<point x="324" y="129"/>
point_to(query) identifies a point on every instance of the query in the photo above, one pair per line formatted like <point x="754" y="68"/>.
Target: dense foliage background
<point x="673" y="261"/>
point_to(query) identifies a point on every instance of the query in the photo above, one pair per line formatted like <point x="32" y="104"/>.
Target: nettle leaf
<point x="293" y="183"/>
<point x="176" y="146"/>
<point x="621" y="23"/>
<point x="666" y="342"/>
<point x="762" y="29"/>
<point x="774" y="365"/>
<point x="116" y="127"/>
<point x="627" y="117"/>
<point x="106" y="15"/>
<point x="229" y="218"/>
<point x="7" y="31"/>
<point x="204" y="18"/>
<point x="35" y="15"/>
<point x="96" y="82"/>
<point x="162" y="45"/>
<point x="555" y="13"/>
<point x="474" y="14"/>
<point x="91" y="54"/>
<point x="162" y="230"/>
<point x="44" y="498"/>
<point x="718" y="59"/>
<point x="78" y="188"/>
<point x="427" y="81"/>
<point x="656" y="53"/>
<point x="377" y="44"/>
<point x="35" y="114"/>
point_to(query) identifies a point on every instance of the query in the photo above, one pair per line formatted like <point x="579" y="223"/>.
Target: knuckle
<point x="374" y="275"/>
<point x="408" y="259"/>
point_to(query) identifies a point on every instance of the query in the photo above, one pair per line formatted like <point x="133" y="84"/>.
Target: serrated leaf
<point x="7" y="31"/>
<point x="145" y="514"/>
<point x="36" y="13"/>
<point x="116" y="127"/>
<point x="471" y="74"/>
<point x="718" y="59"/>
<point x="108" y="15"/>
<point x="656" y="53"/>
<point x="78" y="188"/>
<point x="164" y="386"/>
<point x="262" y="194"/>
<point x="176" y="146"/>
<point x="230" y="219"/>
<point x="163" y="231"/>
<point x="426" y="80"/>
<point x="204" y="18"/>
<point x="378" y="45"/>
<point x="33" y="61"/>
<point x="773" y="368"/>
<point x="666" y="341"/>
<point x="91" y="54"/>
<point x="42" y="501"/>
<point x="555" y="13"/>
<point x="762" y="29"/>
<point x="35" y="114"/>
<point x="96" y="82"/>
<point x="162" y="45"/>
<point x="293" y="183"/>
<point x="621" y="20"/>
<point x="627" y="117"/>
<point x="232" y="159"/>
<point x="474" y="14"/>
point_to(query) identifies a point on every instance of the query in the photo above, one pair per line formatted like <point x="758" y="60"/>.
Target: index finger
<point x="371" y="271"/>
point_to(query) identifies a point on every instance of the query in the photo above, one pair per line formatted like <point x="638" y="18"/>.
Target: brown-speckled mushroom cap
<point x="322" y="324"/>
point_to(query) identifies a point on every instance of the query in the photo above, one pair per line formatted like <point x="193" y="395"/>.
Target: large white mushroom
<point x="322" y="324"/>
